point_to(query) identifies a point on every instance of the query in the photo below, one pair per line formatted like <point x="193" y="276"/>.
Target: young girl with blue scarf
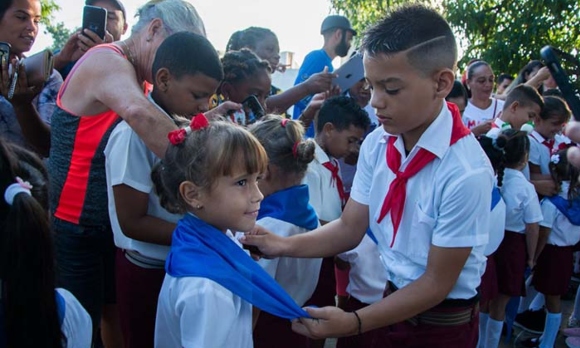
<point x="210" y="173"/>
<point x="559" y="232"/>
<point x="285" y="210"/>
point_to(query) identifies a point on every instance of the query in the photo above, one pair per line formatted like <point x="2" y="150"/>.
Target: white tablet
<point x="349" y="73"/>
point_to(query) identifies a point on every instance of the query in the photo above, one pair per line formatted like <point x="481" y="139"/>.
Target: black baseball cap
<point x="115" y="3"/>
<point x="336" y="22"/>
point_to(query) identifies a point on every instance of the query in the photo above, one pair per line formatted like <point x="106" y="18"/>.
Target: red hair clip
<point x="178" y="136"/>
<point x="284" y="121"/>
<point x="295" y="149"/>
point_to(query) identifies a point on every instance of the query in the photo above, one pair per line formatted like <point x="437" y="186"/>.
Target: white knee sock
<point x="553" y="321"/>
<point x="538" y="302"/>
<point x="483" y="318"/>
<point x="493" y="333"/>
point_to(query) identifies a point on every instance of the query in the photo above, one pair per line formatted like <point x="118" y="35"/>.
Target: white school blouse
<point x="448" y="203"/>
<point x="195" y="312"/>
<point x="563" y="232"/>
<point x="521" y="200"/>
<point x="298" y="276"/>
<point x="496" y="227"/>
<point x="129" y="162"/>
<point x="473" y="116"/>
<point x="323" y="191"/>
<point x="539" y="153"/>
<point x="76" y="326"/>
<point x="367" y="277"/>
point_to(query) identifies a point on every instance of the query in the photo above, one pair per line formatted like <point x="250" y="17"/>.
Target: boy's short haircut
<point x="186" y="53"/>
<point x="524" y="95"/>
<point x="423" y="33"/>
<point x="342" y="112"/>
<point x="502" y="77"/>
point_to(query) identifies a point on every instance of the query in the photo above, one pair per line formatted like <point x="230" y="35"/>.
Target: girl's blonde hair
<point x="205" y="155"/>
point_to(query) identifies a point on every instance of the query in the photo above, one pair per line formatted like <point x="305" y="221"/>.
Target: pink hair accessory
<point x="178" y="136"/>
<point x="20" y="186"/>
<point x="284" y="122"/>
<point x="295" y="149"/>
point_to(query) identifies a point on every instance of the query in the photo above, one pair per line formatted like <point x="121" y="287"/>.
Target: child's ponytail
<point x="561" y="170"/>
<point x="27" y="267"/>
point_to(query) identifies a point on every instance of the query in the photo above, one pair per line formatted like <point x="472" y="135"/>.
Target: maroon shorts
<point x="488" y="288"/>
<point x="137" y="293"/>
<point x="364" y="340"/>
<point x="510" y="262"/>
<point x="553" y="270"/>
<point x="272" y="331"/>
<point x="325" y="291"/>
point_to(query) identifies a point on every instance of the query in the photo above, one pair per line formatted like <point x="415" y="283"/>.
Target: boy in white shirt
<point x="141" y="226"/>
<point x="432" y="244"/>
<point x="523" y="104"/>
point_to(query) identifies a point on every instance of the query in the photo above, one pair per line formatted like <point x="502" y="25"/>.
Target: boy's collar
<point x="434" y="139"/>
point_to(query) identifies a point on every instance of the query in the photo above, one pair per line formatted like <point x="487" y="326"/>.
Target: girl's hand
<point x="320" y="82"/>
<point x="222" y="110"/>
<point x="263" y="243"/>
<point x="326" y="322"/>
<point x="573" y="132"/>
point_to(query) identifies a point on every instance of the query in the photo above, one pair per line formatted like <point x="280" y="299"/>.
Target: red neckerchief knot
<point x="333" y="167"/>
<point x="395" y="200"/>
<point x="178" y="136"/>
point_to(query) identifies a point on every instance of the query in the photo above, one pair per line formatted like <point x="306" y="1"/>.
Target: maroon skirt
<point x="553" y="270"/>
<point x="510" y="261"/>
<point x="488" y="288"/>
<point x="325" y="291"/>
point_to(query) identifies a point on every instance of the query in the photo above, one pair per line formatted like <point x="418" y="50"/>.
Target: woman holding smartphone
<point x="25" y="114"/>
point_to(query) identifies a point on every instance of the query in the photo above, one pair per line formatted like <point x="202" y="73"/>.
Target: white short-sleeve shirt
<point x="76" y="326"/>
<point x="367" y="275"/>
<point x="298" y="276"/>
<point x="323" y="191"/>
<point x="129" y="162"/>
<point x="522" y="204"/>
<point x="447" y="204"/>
<point x="473" y="116"/>
<point x="539" y="153"/>
<point x="195" y="312"/>
<point x="563" y="232"/>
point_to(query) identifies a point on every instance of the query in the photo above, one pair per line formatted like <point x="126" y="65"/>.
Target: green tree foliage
<point x="60" y="35"/>
<point x="48" y="9"/>
<point x="510" y="33"/>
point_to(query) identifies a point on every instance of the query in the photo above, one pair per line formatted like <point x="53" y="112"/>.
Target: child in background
<point x="494" y="149"/>
<point x="264" y="43"/>
<point x="522" y="105"/>
<point x="244" y="75"/>
<point x="186" y="71"/>
<point x="559" y="232"/>
<point x="33" y="312"/>
<point x="340" y="126"/>
<point x="211" y="282"/>
<point x="285" y="209"/>
<point x="518" y="248"/>
<point x="458" y="96"/>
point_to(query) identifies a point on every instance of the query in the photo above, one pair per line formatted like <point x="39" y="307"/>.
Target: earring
<point x="198" y="206"/>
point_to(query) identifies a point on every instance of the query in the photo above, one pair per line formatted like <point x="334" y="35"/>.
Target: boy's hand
<point x="326" y="322"/>
<point x="482" y="128"/>
<point x="264" y="243"/>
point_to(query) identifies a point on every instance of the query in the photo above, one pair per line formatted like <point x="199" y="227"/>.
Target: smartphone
<point x="95" y="19"/>
<point x="256" y="111"/>
<point x="565" y="69"/>
<point x="349" y="73"/>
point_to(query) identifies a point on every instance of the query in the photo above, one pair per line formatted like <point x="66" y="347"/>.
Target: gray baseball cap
<point x="338" y="22"/>
<point x="116" y="3"/>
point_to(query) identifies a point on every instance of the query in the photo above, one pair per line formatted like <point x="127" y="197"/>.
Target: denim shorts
<point x="85" y="261"/>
